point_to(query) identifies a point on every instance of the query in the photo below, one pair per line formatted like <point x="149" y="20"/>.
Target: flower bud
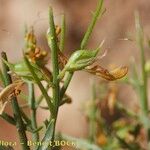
<point x="79" y="60"/>
<point x="30" y="40"/>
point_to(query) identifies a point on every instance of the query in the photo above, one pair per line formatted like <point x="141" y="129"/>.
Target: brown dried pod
<point x="115" y="74"/>
<point x="8" y="92"/>
<point x="62" y="59"/>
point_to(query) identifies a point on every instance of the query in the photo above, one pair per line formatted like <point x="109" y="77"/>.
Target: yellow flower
<point x="101" y="139"/>
<point x="36" y="55"/>
<point x="32" y="51"/>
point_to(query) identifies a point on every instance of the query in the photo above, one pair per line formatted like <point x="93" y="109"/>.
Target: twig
<point x="16" y="110"/>
<point x="8" y="118"/>
<point x="43" y="90"/>
<point x="52" y="41"/>
<point x="84" y="42"/>
<point x="140" y="42"/>
<point x="143" y="86"/>
<point x="32" y="105"/>
<point x="97" y="14"/>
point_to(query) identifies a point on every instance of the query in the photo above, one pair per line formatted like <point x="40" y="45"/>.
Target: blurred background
<point x="116" y="24"/>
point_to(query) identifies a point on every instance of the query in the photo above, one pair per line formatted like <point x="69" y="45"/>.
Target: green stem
<point x="54" y="58"/>
<point x="63" y="32"/>
<point x="143" y="86"/>
<point x="65" y="85"/>
<point x="8" y="118"/>
<point x="41" y="97"/>
<point x="92" y="117"/>
<point x="43" y="90"/>
<point x="25" y="117"/>
<point x="140" y="42"/>
<point x="52" y="41"/>
<point x="16" y="110"/>
<point x="32" y="105"/>
<point x="97" y="14"/>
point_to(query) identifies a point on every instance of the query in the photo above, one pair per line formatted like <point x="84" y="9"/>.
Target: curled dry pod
<point x="62" y="59"/>
<point x="115" y="74"/>
<point x="8" y="92"/>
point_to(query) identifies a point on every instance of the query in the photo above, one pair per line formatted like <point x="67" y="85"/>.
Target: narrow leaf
<point x="43" y="90"/>
<point x="97" y="14"/>
<point x="48" y="137"/>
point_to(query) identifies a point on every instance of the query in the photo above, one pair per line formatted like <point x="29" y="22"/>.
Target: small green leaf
<point x="48" y="137"/>
<point x="97" y="15"/>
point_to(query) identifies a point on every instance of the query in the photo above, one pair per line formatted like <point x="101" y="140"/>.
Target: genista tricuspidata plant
<point x="32" y="70"/>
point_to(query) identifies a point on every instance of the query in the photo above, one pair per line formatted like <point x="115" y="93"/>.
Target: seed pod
<point x="62" y="59"/>
<point x="115" y="74"/>
<point x="8" y="92"/>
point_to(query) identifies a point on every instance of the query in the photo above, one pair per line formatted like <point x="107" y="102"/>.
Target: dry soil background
<point x="117" y="23"/>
